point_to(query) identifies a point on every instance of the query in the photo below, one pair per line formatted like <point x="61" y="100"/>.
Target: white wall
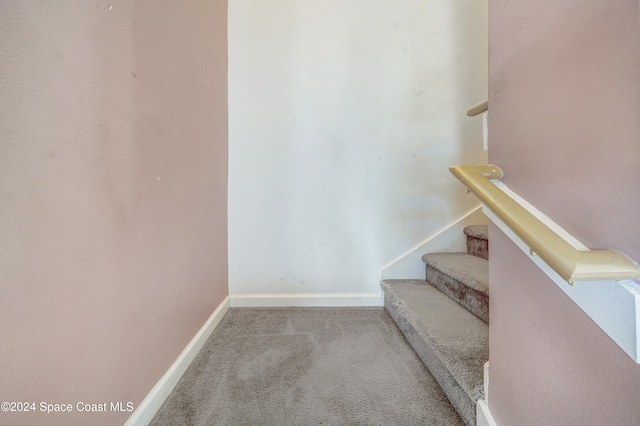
<point x="344" y="117"/>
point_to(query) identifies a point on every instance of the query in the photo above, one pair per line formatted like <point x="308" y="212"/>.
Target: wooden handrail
<point x="571" y="264"/>
<point x="478" y="109"/>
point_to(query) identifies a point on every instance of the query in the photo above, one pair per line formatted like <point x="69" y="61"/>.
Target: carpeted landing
<point x="307" y="366"/>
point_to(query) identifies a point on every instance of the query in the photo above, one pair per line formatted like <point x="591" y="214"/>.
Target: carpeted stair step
<point x="478" y="240"/>
<point x="451" y="342"/>
<point x="462" y="277"/>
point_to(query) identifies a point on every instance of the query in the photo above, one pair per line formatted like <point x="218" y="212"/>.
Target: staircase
<point x="445" y="318"/>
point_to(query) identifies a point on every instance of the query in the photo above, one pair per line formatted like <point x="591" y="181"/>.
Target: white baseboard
<point x="449" y="239"/>
<point x="483" y="414"/>
<point x="154" y="400"/>
<point x="306" y="300"/>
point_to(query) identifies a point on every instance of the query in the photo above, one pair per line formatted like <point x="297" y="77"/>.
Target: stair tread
<point x="477" y="231"/>
<point x="470" y="270"/>
<point x="459" y="338"/>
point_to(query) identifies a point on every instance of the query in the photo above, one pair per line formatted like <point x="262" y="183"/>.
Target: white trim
<point x="154" y="400"/>
<point x="486" y="381"/>
<point x="322" y="299"/>
<point x="613" y="305"/>
<point x="410" y="265"/>
<point x="485" y="131"/>
<point x="483" y="414"/>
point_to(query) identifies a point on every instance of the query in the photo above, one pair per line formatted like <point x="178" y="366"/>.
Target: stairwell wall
<point x="344" y="118"/>
<point x="564" y="96"/>
<point x="113" y="188"/>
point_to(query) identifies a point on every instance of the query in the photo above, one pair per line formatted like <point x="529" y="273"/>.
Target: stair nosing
<point x="471" y="231"/>
<point x="470" y="280"/>
<point x="473" y="390"/>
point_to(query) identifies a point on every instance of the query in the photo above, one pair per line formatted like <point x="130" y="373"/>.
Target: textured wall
<point x="113" y="164"/>
<point x="344" y="117"/>
<point x="564" y="86"/>
<point x="566" y="98"/>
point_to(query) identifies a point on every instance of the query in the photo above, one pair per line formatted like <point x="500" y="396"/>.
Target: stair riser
<point x="464" y="406"/>
<point x="478" y="247"/>
<point x="472" y="300"/>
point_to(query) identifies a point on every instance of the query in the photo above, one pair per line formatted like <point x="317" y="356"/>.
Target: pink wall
<point x="113" y="189"/>
<point x="564" y="95"/>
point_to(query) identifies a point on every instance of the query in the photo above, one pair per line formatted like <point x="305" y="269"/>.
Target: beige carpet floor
<point x="307" y="366"/>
